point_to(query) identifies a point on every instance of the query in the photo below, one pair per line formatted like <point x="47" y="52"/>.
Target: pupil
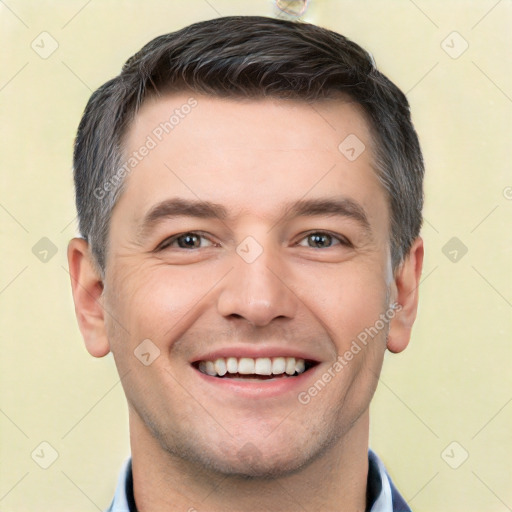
<point x="188" y="241"/>
<point x="320" y="240"/>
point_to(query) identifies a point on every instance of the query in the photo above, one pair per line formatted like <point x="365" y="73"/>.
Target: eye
<point x="322" y="240"/>
<point x="189" y="240"/>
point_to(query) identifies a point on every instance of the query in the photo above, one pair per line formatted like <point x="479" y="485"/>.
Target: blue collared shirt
<point x="381" y="494"/>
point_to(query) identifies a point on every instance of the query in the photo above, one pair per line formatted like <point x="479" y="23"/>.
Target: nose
<point x="257" y="291"/>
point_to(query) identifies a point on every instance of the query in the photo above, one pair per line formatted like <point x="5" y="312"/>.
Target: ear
<point x="406" y="284"/>
<point x="87" y="288"/>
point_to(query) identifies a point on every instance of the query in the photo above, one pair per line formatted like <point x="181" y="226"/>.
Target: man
<point x="249" y="193"/>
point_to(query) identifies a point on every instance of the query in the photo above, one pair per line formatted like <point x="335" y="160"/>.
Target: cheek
<point x="348" y="299"/>
<point x="155" y="301"/>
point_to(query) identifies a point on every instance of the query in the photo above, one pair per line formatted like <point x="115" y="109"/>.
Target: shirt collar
<point x="124" y="490"/>
<point x="382" y="494"/>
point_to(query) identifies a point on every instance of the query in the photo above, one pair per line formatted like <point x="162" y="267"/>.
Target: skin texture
<point x="194" y="445"/>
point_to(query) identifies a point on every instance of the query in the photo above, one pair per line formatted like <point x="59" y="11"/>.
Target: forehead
<point x="303" y="125"/>
<point x="250" y="155"/>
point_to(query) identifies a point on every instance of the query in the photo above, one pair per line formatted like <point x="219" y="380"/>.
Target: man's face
<point x="266" y="266"/>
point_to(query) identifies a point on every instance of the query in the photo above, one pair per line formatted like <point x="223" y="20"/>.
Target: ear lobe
<point x="87" y="288"/>
<point x="407" y="280"/>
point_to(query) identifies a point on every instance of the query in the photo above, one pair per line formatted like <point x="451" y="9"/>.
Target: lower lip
<point x="261" y="388"/>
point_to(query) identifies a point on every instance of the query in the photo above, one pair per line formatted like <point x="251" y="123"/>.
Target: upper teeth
<point x="248" y="366"/>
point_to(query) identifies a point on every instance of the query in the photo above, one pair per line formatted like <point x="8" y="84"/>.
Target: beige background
<point x="453" y="384"/>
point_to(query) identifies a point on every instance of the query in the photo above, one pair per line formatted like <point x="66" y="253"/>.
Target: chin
<point x="252" y="461"/>
<point x="246" y="467"/>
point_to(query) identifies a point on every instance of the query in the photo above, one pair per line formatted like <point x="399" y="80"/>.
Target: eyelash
<point x="341" y="239"/>
<point x="168" y="241"/>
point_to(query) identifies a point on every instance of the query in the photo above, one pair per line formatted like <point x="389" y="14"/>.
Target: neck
<point x="335" y="481"/>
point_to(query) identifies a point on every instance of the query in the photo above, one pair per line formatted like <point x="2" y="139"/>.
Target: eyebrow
<point x="177" y="207"/>
<point x="332" y="207"/>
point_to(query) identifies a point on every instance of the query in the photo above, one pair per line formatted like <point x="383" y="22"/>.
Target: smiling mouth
<point x="262" y="368"/>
